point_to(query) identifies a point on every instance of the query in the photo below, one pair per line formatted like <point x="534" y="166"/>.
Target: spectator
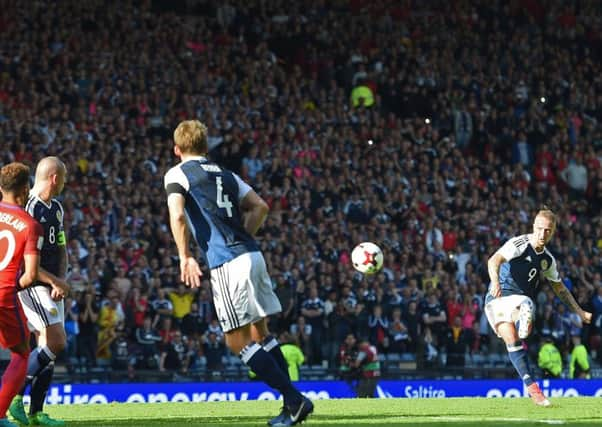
<point x="148" y="341"/>
<point x="109" y="321"/>
<point x="579" y="366"/>
<point x="456" y="344"/>
<point x="293" y="355"/>
<point x="88" y="334"/>
<point x="71" y="329"/>
<point x="192" y="324"/>
<point x="312" y="310"/>
<point x="379" y="325"/>
<point x="399" y="339"/>
<point x="549" y="358"/>
<point x="214" y="351"/>
<point x="137" y="306"/>
<point x="575" y="176"/>
<point x="181" y="300"/>
<point x="302" y="332"/>
<point x="174" y="355"/>
<point x="434" y="317"/>
<point x="162" y="308"/>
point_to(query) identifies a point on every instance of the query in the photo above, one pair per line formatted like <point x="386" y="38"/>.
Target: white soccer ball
<point x="367" y="258"/>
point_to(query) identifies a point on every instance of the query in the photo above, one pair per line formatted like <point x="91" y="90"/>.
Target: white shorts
<point x="41" y="311"/>
<point x="504" y="309"/>
<point x="242" y="291"/>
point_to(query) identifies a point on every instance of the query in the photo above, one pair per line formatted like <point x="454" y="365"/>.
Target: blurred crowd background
<point x="435" y="129"/>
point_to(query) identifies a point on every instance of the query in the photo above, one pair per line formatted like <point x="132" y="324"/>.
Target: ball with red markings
<point x="367" y="258"/>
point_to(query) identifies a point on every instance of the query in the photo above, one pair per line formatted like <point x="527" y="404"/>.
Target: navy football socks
<point x="268" y="371"/>
<point x="518" y="357"/>
<point x="271" y="345"/>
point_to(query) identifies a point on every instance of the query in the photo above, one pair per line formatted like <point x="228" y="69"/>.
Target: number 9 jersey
<point x="50" y="217"/>
<point x="524" y="267"/>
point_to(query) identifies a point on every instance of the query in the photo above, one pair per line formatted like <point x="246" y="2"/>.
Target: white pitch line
<point x="516" y="420"/>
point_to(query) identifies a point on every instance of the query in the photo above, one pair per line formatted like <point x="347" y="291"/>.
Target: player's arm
<point x="493" y="268"/>
<point x="561" y="291"/>
<point x="61" y="241"/>
<point x="31" y="255"/>
<point x="567" y="298"/>
<point x="190" y="272"/>
<point x="511" y="249"/>
<point x="59" y="286"/>
<point x="254" y="211"/>
<point x="30" y="274"/>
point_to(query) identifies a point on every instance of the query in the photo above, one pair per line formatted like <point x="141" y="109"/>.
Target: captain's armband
<point x="61" y="240"/>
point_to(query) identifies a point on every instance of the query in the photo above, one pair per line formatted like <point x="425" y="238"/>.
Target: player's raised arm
<point x="254" y="211"/>
<point x="190" y="272"/>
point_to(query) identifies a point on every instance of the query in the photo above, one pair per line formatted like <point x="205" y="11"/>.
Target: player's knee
<point x="56" y="341"/>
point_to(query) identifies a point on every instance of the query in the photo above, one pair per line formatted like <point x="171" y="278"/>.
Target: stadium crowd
<point x="432" y="128"/>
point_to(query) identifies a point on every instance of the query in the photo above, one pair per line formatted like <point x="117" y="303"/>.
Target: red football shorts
<point x="13" y="326"/>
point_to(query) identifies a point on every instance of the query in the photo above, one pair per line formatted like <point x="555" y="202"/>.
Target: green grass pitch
<point x="456" y="412"/>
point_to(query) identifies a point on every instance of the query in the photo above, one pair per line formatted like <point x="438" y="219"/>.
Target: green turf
<point x="471" y="412"/>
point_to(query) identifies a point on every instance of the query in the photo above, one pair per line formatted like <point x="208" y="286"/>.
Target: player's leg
<point x="260" y="333"/>
<point x="13" y="335"/>
<point x="264" y="302"/>
<point x="13" y="377"/>
<point x="238" y="288"/>
<point x="54" y="339"/>
<point x="519" y="358"/>
<point x="501" y="313"/>
<point x="240" y="342"/>
<point x="46" y="317"/>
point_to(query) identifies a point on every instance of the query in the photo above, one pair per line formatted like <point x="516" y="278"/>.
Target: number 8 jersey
<point x="212" y="197"/>
<point x="50" y="217"/>
<point x="524" y="267"/>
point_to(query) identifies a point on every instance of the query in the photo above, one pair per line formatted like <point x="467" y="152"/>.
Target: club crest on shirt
<point x="53" y="312"/>
<point x="544" y="264"/>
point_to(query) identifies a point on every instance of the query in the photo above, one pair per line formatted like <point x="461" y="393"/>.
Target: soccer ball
<point x="367" y="258"/>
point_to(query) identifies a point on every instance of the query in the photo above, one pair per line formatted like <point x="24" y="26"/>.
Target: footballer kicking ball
<point x="367" y="258"/>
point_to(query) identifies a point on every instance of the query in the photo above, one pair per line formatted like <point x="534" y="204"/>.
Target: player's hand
<point x="495" y="290"/>
<point x="62" y="285"/>
<point x="57" y="294"/>
<point x="190" y="272"/>
<point x="586" y="316"/>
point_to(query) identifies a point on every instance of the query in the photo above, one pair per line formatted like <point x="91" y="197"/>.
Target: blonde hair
<point x="548" y="214"/>
<point x="191" y="137"/>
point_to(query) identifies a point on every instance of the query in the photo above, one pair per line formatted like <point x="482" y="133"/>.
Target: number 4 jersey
<point x="20" y="234"/>
<point x="525" y="267"/>
<point x="212" y="195"/>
